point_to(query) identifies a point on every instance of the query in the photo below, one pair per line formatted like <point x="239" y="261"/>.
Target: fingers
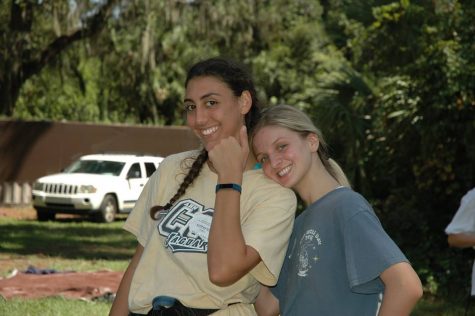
<point x="244" y="145"/>
<point x="231" y="153"/>
<point x="243" y="139"/>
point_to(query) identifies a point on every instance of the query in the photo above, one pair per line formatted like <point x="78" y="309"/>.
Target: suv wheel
<point x="44" y="215"/>
<point x="108" y="209"/>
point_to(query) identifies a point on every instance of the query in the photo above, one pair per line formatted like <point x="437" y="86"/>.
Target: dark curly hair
<point x="238" y="80"/>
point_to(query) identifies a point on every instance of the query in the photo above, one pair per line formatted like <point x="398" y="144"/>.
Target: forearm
<point x="229" y="258"/>
<point x="266" y="303"/>
<point x="120" y="307"/>
<point x="402" y="290"/>
<point x="461" y="240"/>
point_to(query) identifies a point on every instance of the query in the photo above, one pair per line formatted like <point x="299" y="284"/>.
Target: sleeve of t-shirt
<point x="369" y="251"/>
<point x="139" y="222"/>
<point x="464" y="219"/>
<point x="279" y="289"/>
<point x="268" y="229"/>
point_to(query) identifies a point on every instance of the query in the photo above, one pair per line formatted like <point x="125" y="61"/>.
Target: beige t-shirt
<point x="174" y="260"/>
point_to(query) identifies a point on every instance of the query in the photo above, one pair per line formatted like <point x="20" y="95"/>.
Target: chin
<point x="279" y="182"/>
<point x="209" y="146"/>
<point x="286" y="183"/>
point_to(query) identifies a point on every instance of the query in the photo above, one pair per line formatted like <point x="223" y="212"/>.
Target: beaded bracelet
<point x="233" y="186"/>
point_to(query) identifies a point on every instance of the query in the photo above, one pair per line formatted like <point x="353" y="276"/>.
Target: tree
<point x="29" y="42"/>
<point x="418" y="149"/>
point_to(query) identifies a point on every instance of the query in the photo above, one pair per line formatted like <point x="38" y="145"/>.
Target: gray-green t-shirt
<point x="336" y="253"/>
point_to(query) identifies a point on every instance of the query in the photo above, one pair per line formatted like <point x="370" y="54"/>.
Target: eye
<point x="281" y="147"/>
<point x="189" y="107"/>
<point x="262" y="159"/>
<point x="211" y="103"/>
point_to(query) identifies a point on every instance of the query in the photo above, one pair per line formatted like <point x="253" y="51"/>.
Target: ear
<point x="245" y="102"/>
<point x="313" y="142"/>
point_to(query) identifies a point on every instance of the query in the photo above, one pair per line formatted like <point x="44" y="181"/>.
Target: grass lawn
<point x="64" y="245"/>
<point x="81" y="245"/>
<point x="69" y="244"/>
<point x="55" y="306"/>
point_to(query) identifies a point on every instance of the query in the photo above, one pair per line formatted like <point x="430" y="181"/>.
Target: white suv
<point x="101" y="185"/>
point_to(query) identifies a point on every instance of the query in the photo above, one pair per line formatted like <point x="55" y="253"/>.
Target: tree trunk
<point x="9" y="89"/>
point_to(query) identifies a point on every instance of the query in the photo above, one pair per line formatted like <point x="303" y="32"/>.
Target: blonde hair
<point x="296" y="120"/>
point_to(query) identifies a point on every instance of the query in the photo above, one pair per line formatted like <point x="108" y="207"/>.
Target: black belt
<point x="168" y="306"/>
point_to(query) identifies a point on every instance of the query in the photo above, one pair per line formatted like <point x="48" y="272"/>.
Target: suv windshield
<point x="96" y="167"/>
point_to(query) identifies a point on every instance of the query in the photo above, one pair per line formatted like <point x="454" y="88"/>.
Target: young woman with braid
<point x="185" y="263"/>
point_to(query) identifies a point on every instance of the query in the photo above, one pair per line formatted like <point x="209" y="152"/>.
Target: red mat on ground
<point x="86" y="285"/>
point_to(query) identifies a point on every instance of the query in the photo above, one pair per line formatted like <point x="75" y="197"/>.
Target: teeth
<point x="209" y="131"/>
<point x="284" y="171"/>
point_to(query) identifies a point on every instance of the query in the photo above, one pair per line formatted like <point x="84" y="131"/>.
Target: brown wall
<point x="29" y="150"/>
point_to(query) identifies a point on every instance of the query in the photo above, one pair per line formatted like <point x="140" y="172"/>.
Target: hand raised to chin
<point x="229" y="157"/>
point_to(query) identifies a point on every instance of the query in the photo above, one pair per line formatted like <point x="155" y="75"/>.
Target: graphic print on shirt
<point x="186" y="227"/>
<point x="307" y="252"/>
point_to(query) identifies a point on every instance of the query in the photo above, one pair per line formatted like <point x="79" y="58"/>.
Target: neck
<point x="251" y="162"/>
<point x="316" y="183"/>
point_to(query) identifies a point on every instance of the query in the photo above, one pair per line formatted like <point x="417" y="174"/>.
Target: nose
<point x="201" y="115"/>
<point x="275" y="160"/>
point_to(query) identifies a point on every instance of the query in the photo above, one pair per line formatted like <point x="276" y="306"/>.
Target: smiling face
<point x="286" y="156"/>
<point x="213" y="112"/>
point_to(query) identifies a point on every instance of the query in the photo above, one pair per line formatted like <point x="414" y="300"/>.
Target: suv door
<point x="136" y="180"/>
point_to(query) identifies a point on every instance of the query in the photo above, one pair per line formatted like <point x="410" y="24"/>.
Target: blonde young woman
<point x="210" y="227"/>
<point x="340" y="260"/>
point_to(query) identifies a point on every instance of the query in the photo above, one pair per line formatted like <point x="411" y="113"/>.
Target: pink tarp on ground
<point x="86" y="285"/>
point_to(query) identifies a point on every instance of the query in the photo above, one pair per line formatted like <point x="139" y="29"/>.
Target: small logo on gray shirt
<point x="307" y="252"/>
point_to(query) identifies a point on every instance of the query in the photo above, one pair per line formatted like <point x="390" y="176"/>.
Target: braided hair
<point x="238" y="80"/>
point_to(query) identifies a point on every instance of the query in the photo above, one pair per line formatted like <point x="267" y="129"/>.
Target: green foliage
<point x="35" y="34"/>
<point x="78" y="97"/>
<point x="430" y="306"/>
<point x="417" y="148"/>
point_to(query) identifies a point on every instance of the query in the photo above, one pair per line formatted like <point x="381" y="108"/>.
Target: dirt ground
<point x="18" y="212"/>
<point x="25" y="213"/>
<point x="40" y="283"/>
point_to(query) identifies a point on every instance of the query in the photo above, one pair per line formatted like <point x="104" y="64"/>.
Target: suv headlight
<point x="38" y="186"/>
<point x="87" y="189"/>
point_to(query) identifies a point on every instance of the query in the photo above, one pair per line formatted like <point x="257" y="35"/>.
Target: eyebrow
<point x="280" y="138"/>
<point x="273" y="143"/>
<point x="203" y="96"/>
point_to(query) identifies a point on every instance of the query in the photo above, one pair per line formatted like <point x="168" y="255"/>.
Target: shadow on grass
<point x="71" y="238"/>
